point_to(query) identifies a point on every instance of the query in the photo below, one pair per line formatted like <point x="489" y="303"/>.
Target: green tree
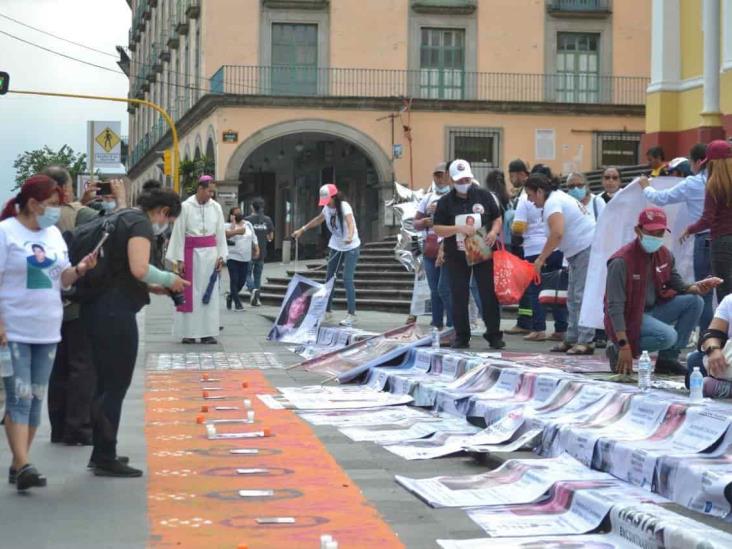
<point x="32" y="162"/>
<point x="191" y="170"/>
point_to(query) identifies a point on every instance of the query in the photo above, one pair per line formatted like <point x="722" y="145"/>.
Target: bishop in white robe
<point x="198" y="246"/>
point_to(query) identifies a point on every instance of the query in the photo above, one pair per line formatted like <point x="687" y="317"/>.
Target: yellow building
<point x="690" y="96"/>
<point x="284" y="95"/>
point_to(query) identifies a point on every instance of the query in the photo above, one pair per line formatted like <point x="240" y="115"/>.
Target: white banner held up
<point x="615" y="228"/>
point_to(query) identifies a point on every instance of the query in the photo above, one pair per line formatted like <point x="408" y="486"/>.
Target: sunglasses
<point x="610" y="177"/>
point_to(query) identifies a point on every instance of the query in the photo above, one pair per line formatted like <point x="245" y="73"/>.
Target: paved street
<point x="80" y="510"/>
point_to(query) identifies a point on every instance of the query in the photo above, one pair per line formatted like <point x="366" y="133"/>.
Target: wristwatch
<point x="709" y="350"/>
<point x="622" y="343"/>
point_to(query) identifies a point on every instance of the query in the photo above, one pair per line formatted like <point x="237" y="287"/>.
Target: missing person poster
<point x="302" y="311"/>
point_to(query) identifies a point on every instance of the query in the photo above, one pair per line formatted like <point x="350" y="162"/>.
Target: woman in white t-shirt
<point x="344" y="243"/>
<point x="570" y="229"/>
<point x="243" y="249"/>
<point x="34" y="267"/>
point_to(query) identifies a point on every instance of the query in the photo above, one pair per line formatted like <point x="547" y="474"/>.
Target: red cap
<point x="205" y="394"/>
<point x="652" y="219"/>
<point x="717" y="150"/>
<point x="326" y="193"/>
<point x="200" y="419"/>
<point x="267" y="432"/>
<point x="204" y="408"/>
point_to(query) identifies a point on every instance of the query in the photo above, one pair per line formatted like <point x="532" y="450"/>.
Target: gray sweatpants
<point x="578" y="265"/>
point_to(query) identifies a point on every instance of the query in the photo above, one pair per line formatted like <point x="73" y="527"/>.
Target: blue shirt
<point x="690" y="191"/>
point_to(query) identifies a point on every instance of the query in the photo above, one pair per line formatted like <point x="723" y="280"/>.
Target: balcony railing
<point x="580" y="6"/>
<point x="447" y="84"/>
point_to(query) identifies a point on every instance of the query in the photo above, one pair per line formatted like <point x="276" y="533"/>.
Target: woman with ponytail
<point x="34" y="267"/>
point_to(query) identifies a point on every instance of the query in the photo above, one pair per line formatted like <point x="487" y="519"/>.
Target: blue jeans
<point x="657" y="328"/>
<point x="476" y="295"/>
<point x="553" y="263"/>
<point x="443" y="288"/>
<point x="238" y="271"/>
<point x="26" y="388"/>
<point x="345" y="261"/>
<point x="702" y="269"/>
<point x="254" y="279"/>
<point x="433" y="279"/>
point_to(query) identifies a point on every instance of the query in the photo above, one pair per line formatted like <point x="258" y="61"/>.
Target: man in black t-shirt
<point x="264" y="229"/>
<point x="467" y="199"/>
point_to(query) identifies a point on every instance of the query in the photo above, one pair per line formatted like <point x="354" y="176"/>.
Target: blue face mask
<point x="578" y="193"/>
<point x="49" y="217"/>
<point x="651" y="244"/>
<point x="442" y="190"/>
<point x="109" y="206"/>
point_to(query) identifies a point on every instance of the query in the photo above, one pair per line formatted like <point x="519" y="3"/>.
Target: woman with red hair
<point x="34" y="266"/>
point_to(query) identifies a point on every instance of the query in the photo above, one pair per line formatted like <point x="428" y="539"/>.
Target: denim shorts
<point x="26" y="388"/>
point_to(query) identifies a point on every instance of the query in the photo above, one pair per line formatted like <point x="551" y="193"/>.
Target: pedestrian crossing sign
<point x="107" y="139"/>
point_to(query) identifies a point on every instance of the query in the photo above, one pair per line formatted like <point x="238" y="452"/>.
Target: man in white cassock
<point x="198" y="247"/>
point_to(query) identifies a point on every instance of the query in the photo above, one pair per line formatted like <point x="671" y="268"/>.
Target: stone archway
<point x="379" y="158"/>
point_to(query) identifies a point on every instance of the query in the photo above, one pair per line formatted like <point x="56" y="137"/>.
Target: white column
<point x="727" y="38"/>
<point x="665" y="45"/>
<point x="712" y="30"/>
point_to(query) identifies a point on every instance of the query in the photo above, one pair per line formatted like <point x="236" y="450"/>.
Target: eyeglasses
<point x="610" y="177"/>
<point x="576" y="186"/>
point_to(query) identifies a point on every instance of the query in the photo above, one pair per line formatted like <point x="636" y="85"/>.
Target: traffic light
<point x="4" y="82"/>
<point x="167" y="163"/>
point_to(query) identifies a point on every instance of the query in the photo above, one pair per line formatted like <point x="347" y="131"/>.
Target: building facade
<point x="283" y="95"/>
<point x="690" y="96"/>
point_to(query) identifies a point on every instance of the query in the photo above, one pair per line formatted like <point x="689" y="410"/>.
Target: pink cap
<point x="326" y="193"/>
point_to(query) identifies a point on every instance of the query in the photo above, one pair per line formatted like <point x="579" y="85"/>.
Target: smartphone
<point x="104" y="189"/>
<point x="101" y="242"/>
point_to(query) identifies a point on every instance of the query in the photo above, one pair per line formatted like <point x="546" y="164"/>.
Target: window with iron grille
<point x="578" y="67"/>
<point x="479" y="146"/>
<point x="617" y="149"/>
<point x="442" y="63"/>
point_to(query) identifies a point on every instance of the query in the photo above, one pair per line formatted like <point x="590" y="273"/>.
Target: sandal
<point x="582" y="349"/>
<point x="563" y="347"/>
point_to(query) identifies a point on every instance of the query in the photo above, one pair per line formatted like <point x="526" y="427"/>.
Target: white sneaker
<point x="349" y="321"/>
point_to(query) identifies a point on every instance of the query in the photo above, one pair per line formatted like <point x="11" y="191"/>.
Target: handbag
<point x="554" y="286"/>
<point x="511" y="276"/>
<point x="431" y="246"/>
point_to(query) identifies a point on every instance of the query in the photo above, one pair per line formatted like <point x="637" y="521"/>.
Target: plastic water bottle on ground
<point x="645" y="369"/>
<point x="435" y="338"/>
<point x="696" y="386"/>
<point x="6" y="362"/>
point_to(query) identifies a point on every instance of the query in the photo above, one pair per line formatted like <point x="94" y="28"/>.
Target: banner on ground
<point x="302" y="311"/>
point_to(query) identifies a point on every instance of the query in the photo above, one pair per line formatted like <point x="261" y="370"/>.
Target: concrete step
<point x="361" y="292"/>
<point x="401" y="274"/>
<point x="388" y="306"/>
<point x="366" y="284"/>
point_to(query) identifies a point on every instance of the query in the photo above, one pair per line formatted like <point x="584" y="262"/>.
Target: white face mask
<point x="160" y="228"/>
<point x="462" y="188"/>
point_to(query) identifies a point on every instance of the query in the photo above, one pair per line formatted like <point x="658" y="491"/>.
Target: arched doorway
<point x="287" y="163"/>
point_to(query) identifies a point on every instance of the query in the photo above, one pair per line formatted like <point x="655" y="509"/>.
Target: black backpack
<point x="81" y="242"/>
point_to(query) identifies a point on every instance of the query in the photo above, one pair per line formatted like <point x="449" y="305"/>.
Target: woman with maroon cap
<point x="717" y="214"/>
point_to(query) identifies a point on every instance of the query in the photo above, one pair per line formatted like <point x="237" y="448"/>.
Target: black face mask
<point x="238" y="218"/>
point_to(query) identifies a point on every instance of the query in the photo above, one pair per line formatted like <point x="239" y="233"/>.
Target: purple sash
<point x="192" y="243"/>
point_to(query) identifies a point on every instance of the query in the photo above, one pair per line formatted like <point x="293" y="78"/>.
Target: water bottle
<point x="435" y="337"/>
<point x="696" y="386"/>
<point x="644" y="372"/>
<point x="6" y="362"/>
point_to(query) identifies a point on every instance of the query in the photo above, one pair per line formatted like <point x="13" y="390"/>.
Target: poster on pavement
<point x="610" y="236"/>
<point x="374" y="416"/>
<point x="570" y="509"/>
<point x="302" y="310"/>
<point x="408" y="430"/>
<point x="319" y="397"/>
<point x="516" y="481"/>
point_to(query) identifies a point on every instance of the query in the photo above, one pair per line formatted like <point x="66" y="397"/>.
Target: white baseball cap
<point x="460" y="169"/>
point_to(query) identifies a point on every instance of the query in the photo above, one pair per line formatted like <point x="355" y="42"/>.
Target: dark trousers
<point x="702" y="269"/>
<point x="460" y="274"/>
<point x="112" y="329"/>
<point x="238" y="272"/>
<point x="722" y="264"/>
<point x="71" y="385"/>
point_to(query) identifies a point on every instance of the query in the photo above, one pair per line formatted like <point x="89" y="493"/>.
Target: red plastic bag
<point x="511" y="276"/>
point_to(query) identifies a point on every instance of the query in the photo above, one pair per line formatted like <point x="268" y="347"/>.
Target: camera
<point x="178" y="298"/>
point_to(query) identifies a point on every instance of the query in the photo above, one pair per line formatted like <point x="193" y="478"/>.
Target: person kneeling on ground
<point x="648" y="307"/>
<point x="717" y="382"/>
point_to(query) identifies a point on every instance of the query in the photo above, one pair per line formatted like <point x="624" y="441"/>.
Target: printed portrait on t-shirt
<point x="39" y="267"/>
<point x="473" y="220"/>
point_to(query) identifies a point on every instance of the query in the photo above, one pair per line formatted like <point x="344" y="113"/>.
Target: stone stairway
<point x="382" y="283"/>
